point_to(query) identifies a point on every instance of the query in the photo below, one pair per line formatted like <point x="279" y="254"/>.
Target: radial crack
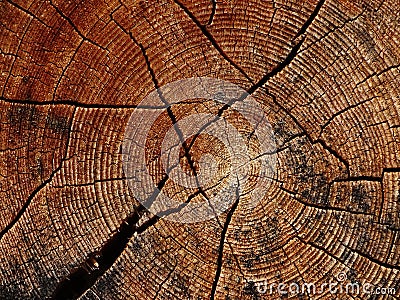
<point x="114" y="247"/>
<point x="309" y="21"/>
<point x="41" y="186"/>
<point x="27" y="12"/>
<point x="65" y="17"/>
<point x="222" y="242"/>
<point x="213" y="10"/>
<point x="350" y="107"/>
<point x="212" y="40"/>
<point x="77" y="104"/>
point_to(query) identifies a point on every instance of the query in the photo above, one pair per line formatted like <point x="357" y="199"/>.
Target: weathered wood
<point x="326" y="73"/>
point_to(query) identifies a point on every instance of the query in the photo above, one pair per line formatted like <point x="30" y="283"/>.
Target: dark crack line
<point x="91" y="183"/>
<point x="317" y="141"/>
<point x="358" y="178"/>
<point x="297" y="269"/>
<point x="185" y="247"/>
<point x="172" y="118"/>
<point x="382" y="194"/>
<point x="19" y="44"/>
<point x="272" y="20"/>
<point x="292" y="54"/>
<point x="256" y="86"/>
<point x="377" y="74"/>
<point x="27" y="12"/>
<point x="222" y="243"/>
<point x="65" y="17"/>
<point x="391" y="245"/>
<point x="345" y="22"/>
<point x="213" y="10"/>
<point x="76" y="104"/>
<point x="165" y="280"/>
<point x="259" y="84"/>
<point x="280" y="67"/>
<point x="314" y="245"/>
<point x="81" y="279"/>
<point x="363" y="255"/>
<point x="65" y="69"/>
<point x="372" y="259"/>
<point x="212" y="40"/>
<point x="328" y="253"/>
<point x="170" y="115"/>
<point x="348" y="108"/>
<point x="27" y="203"/>
<point x="391" y="170"/>
<point x="367" y="177"/>
<point x="333" y="152"/>
<point x="84" y="277"/>
<point x="298" y="198"/>
<point x="297" y="235"/>
<point x="9" y="54"/>
<point x="309" y="21"/>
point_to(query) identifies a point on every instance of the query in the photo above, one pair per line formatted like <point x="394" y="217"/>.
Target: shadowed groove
<point x="324" y="226"/>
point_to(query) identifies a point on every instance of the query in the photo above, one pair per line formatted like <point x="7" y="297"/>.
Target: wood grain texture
<point x="327" y="74"/>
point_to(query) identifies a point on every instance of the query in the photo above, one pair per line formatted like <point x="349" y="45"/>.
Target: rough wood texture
<point x="328" y="75"/>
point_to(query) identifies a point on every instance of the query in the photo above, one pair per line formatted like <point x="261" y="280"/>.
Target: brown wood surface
<point x="72" y="72"/>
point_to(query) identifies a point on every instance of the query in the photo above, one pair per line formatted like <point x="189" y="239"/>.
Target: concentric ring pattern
<point x="326" y="77"/>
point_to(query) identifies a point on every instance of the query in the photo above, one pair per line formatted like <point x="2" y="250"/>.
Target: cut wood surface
<point x="327" y="75"/>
